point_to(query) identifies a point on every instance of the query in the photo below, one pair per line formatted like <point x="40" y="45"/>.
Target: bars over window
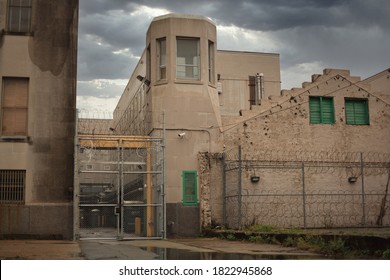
<point x="12" y="186"/>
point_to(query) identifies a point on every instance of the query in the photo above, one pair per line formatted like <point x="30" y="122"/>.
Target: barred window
<point x="12" y="186"/>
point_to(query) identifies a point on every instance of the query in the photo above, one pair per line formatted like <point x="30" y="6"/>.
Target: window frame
<point x="197" y="65"/>
<point x="185" y="200"/>
<point x="18" y="9"/>
<point x="148" y="63"/>
<point x="161" y="67"/>
<point x="321" y="114"/>
<point x="355" y="101"/>
<point x="4" y="108"/>
<point x="211" y="62"/>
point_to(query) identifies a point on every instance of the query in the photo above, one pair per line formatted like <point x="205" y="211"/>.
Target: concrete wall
<point x="234" y="69"/>
<point x="48" y="57"/>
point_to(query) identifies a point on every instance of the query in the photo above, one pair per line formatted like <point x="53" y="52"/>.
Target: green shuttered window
<point x="356" y="111"/>
<point x="190" y="193"/>
<point x="321" y="110"/>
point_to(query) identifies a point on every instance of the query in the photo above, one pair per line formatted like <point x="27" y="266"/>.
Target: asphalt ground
<point x="190" y="248"/>
<point x="198" y="248"/>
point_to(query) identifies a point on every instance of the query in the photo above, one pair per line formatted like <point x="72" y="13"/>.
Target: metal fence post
<point x="76" y="221"/>
<point x="224" y="189"/>
<point x="239" y="186"/>
<point x="363" y="192"/>
<point x="164" y="179"/>
<point x="304" y="195"/>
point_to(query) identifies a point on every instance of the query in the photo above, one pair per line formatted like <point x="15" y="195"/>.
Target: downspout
<point x="259" y="83"/>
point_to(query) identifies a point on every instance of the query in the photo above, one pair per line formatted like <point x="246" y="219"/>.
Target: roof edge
<point x="182" y="16"/>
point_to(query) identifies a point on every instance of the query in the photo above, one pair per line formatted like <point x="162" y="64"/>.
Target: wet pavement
<point x="177" y="249"/>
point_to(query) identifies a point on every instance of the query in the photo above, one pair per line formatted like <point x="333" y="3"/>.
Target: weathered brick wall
<point x="211" y="189"/>
<point x="278" y="137"/>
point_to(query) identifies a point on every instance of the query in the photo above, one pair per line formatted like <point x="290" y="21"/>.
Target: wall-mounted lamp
<point x="255" y="179"/>
<point x="352" y="179"/>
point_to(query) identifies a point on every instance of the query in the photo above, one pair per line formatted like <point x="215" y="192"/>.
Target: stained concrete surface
<point x="40" y="250"/>
<point x="199" y="248"/>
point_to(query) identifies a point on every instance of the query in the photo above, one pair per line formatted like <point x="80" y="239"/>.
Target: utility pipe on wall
<point x="259" y="82"/>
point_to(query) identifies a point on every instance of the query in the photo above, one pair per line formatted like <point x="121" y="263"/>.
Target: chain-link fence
<point x="306" y="189"/>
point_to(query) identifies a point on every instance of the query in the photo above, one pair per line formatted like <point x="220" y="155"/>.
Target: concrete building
<point x="185" y="84"/>
<point x="38" y="60"/>
<point x="206" y="103"/>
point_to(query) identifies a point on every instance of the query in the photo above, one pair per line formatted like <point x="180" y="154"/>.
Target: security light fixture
<point x="352" y="179"/>
<point x="255" y="179"/>
<point x="143" y="79"/>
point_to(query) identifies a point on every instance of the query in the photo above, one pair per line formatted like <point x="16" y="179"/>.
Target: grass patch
<point x="261" y="228"/>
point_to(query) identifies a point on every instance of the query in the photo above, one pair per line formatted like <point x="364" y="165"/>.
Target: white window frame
<point x="183" y="67"/>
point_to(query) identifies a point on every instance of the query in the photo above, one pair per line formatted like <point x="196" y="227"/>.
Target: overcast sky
<point x="309" y="35"/>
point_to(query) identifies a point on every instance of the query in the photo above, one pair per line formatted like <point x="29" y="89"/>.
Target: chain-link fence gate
<point x="120" y="187"/>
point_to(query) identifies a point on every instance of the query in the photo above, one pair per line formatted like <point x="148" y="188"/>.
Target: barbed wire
<point x="316" y="162"/>
<point x="306" y="156"/>
<point x="108" y="150"/>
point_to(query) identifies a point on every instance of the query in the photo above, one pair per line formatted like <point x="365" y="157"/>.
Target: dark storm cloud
<point x="351" y="34"/>
<point x="274" y="15"/>
<point x="110" y="39"/>
<point x="102" y="6"/>
<point x="100" y="62"/>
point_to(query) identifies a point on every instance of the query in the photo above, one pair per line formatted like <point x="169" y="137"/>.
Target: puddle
<point x="179" y="254"/>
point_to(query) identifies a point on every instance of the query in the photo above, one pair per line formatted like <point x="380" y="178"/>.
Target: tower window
<point x="162" y="58"/>
<point x="187" y="58"/>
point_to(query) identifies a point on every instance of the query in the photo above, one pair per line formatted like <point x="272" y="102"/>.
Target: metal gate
<point x="120" y="187"/>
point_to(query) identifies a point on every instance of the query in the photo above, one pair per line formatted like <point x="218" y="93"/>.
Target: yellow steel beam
<point x="114" y="141"/>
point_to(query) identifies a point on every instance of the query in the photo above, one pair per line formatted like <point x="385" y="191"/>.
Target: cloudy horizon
<point x="309" y="35"/>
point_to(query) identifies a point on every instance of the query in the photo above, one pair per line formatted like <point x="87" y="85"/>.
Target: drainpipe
<point x="259" y="82"/>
